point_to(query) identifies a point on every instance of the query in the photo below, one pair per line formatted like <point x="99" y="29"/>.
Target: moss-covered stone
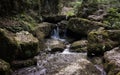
<point x="99" y="42"/>
<point x="4" y="68"/>
<point x="28" y="45"/>
<point x="44" y="29"/>
<point x="20" y="45"/>
<point x="55" y="46"/>
<point x="8" y="45"/>
<point x="83" y="26"/>
<point x="79" y="46"/>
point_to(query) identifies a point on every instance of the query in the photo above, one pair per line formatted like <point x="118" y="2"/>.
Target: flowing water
<point x="55" y="33"/>
<point x="50" y="64"/>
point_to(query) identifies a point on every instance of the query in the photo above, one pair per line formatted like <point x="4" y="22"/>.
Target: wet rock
<point x="79" y="46"/>
<point x="28" y="45"/>
<point x="55" y="46"/>
<point x="82" y="26"/>
<point x="4" y="67"/>
<point x="99" y="42"/>
<point x="112" y="61"/>
<point x="8" y="45"/>
<point x="17" y="64"/>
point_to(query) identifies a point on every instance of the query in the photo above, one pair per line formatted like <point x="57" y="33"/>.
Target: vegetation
<point x="93" y="25"/>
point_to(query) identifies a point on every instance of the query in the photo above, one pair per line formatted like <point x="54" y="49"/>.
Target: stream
<point x="53" y="64"/>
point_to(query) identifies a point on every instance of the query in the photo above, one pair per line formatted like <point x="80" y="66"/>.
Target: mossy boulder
<point x="79" y="46"/>
<point x="8" y="45"/>
<point x="28" y="45"/>
<point x="44" y="29"/>
<point x="19" y="45"/>
<point x="112" y="61"/>
<point x="4" y="68"/>
<point x="82" y="26"/>
<point x="55" y="46"/>
<point x="99" y="42"/>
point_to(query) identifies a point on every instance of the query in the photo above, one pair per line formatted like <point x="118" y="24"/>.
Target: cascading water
<point x="46" y="64"/>
<point x="55" y="33"/>
<point x="66" y="50"/>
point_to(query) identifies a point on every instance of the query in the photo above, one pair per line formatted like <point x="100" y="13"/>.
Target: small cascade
<point x="66" y="50"/>
<point x="55" y="33"/>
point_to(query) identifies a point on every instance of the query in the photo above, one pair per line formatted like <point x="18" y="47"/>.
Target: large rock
<point x="79" y="46"/>
<point x="28" y="45"/>
<point x="43" y="30"/>
<point x="82" y="26"/>
<point x="55" y="46"/>
<point x="99" y="42"/>
<point x="4" y="68"/>
<point x="8" y="45"/>
<point x="112" y="61"/>
<point x="22" y="44"/>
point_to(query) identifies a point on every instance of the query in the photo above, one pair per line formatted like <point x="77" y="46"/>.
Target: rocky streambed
<point x="61" y="59"/>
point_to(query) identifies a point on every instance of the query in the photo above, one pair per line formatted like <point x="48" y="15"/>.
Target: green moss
<point x="97" y="36"/>
<point x="113" y="17"/>
<point x="83" y="26"/>
<point x="99" y="42"/>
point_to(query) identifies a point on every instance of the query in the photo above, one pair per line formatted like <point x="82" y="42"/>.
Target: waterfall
<point x="66" y="50"/>
<point x="55" y="33"/>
